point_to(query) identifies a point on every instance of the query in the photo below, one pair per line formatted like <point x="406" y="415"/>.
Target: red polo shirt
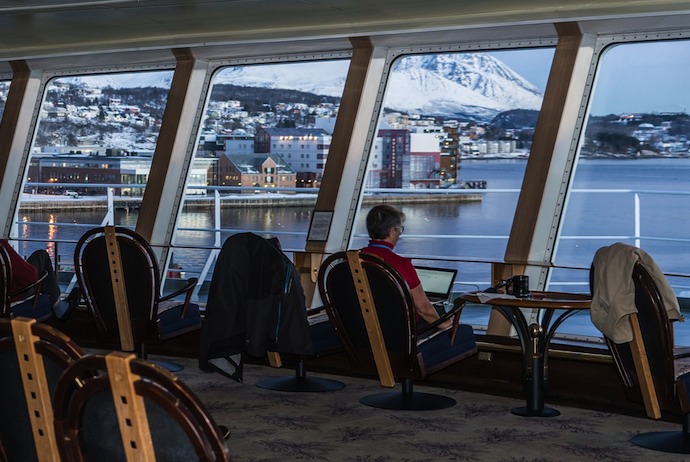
<point x="384" y="250"/>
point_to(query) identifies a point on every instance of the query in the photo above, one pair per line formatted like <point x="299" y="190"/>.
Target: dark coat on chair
<point x="255" y="302"/>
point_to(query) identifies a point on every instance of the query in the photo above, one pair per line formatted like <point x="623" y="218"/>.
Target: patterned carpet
<point x="282" y="426"/>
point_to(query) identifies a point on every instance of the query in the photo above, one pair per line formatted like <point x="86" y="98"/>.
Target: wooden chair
<point x="118" y="408"/>
<point x="371" y="307"/>
<point x="651" y="372"/>
<point x="34" y="305"/>
<point x="32" y="358"/>
<point x="120" y="281"/>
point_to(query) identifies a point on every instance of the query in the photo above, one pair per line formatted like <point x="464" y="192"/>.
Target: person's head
<point x="385" y="222"/>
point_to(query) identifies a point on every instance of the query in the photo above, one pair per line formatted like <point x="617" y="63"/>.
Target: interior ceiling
<point x="42" y="28"/>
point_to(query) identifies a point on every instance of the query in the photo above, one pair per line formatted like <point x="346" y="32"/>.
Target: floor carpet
<point x="285" y="426"/>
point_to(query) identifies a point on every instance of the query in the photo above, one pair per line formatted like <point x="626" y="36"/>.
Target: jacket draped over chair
<point x="255" y="302"/>
<point x="613" y="296"/>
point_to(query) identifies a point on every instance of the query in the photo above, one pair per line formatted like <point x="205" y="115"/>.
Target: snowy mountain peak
<point x="471" y="84"/>
<point x="474" y="85"/>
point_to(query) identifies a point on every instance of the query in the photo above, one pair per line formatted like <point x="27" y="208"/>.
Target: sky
<point x="532" y="64"/>
<point x="632" y="77"/>
<point x="643" y="77"/>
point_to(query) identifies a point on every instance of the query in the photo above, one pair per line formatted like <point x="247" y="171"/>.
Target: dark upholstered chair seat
<point x="171" y="322"/>
<point x="41" y="311"/>
<point x="437" y="351"/>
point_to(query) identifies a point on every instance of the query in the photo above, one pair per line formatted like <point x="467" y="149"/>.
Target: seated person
<point x="385" y="225"/>
<point x="25" y="272"/>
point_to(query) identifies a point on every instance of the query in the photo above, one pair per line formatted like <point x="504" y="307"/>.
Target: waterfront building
<point x="237" y="144"/>
<point x="83" y="170"/>
<point x="305" y="150"/>
<point x="263" y="171"/>
<point x="425" y="158"/>
<point x="392" y="170"/>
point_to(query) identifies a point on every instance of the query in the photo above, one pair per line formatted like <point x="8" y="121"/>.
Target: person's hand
<point x="447" y="324"/>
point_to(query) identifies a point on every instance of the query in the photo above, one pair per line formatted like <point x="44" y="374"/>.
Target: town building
<point x="264" y="171"/>
<point x="305" y="150"/>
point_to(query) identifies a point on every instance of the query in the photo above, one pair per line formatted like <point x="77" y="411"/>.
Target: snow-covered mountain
<point x="161" y="79"/>
<point x="474" y="85"/>
<point x="319" y="77"/>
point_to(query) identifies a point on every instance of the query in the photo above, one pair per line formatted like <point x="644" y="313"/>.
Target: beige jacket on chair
<point x="613" y="297"/>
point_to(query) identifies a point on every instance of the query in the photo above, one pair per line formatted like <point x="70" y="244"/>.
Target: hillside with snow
<point x="474" y="85"/>
<point x="462" y="85"/>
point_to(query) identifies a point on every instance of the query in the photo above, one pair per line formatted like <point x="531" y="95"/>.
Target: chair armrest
<point x="34" y="286"/>
<point x="454" y="313"/>
<point x="191" y="283"/>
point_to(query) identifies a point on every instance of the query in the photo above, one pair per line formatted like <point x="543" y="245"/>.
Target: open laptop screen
<point x="436" y="282"/>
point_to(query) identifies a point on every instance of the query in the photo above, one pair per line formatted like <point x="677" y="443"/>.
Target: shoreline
<point x="100" y="203"/>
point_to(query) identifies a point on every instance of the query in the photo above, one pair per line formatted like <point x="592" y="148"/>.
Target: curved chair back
<point x="26" y="430"/>
<point x="120" y="280"/>
<point x="118" y="408"/>
<point x="372" y="310"/>
<point x="394" y="307"/>
<point x="36" y="305"/>
<point x="392" y="304"/>
<point x="653" y="326"/>
<point x="139" y="272"/>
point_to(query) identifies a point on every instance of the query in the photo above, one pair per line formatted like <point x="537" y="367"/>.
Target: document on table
<point x="486" y="296"/>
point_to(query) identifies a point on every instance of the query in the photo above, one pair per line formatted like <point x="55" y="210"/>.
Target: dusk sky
<point x="632" y="77"/>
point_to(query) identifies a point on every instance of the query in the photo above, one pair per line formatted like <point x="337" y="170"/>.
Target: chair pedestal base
<point x="525" y="411"/>
<point x="415" y="401"/>
<point x="300" y="382"/>
<point x="670" y="441"/>
<point x="408" y="400"/>
<point x="307" y="384"/>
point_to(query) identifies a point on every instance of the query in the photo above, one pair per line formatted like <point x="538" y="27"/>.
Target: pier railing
<point x="568" y="272"/>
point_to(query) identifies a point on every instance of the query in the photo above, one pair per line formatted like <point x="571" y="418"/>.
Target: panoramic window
<point x="451" y="151"/>
<point x="4" y="89"/>
<point x="261" y="154"/>
<point x="631" y="182"/>
<point x="90" y="159"/>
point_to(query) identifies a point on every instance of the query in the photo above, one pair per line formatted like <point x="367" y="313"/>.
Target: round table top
<point x="536" y="299"/>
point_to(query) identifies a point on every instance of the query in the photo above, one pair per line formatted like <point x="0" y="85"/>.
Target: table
<point x="534" y="338"/>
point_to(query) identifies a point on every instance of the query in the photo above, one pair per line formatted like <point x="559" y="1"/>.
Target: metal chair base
<point x="676" y="442"/>
<point x="305" y="384"/>
<point x="415" y="401"/>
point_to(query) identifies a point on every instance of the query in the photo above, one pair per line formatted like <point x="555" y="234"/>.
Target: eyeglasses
<point x="401" y="229"/>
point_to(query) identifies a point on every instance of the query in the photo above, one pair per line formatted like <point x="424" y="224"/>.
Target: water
<point x="483" y="226"/>
<point x="603" y="218"/>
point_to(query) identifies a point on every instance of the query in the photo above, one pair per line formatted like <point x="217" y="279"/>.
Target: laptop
<point x="436" y="282"/>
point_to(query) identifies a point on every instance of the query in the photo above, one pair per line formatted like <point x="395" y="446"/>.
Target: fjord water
<point x="603" y="217"/>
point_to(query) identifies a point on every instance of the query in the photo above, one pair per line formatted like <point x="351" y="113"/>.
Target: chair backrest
<point x="5" y="281"/>
<point x="646" y="364"/>
<point x="391" y="302"/>
<point x="132" y="261"/>
<point x="33" y="356"/>
<point x="35" y="304"/>
<point x="119" y="408"/>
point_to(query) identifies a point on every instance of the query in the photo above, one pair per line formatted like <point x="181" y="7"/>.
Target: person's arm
<point x="425" y="309"/>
